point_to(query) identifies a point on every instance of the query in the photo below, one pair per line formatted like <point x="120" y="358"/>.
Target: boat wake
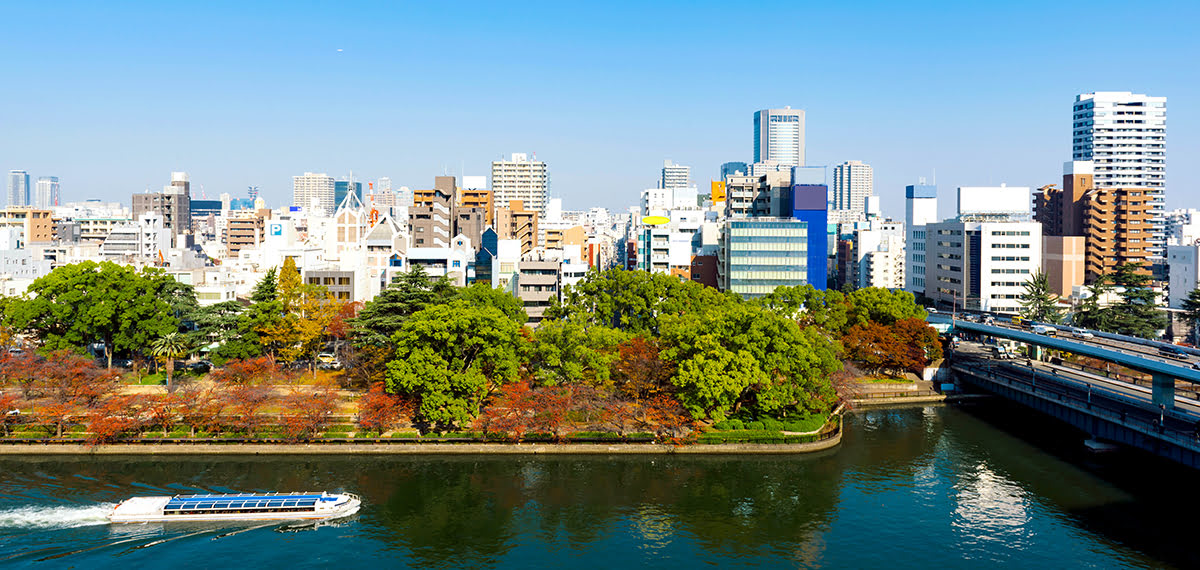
<point x="55" y="517"/>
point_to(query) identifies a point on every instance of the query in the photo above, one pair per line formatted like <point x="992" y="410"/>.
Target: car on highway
<point x="1172" y="352"/>
<point x="1082" y="333"/>
<point x="1044" y="329"/>
<point x="1196" y="366"/>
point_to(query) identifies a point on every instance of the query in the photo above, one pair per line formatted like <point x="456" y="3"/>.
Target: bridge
<point x="1155" y="419"/>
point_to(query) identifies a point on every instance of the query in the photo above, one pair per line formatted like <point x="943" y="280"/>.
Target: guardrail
<point x="1049" y="383"/>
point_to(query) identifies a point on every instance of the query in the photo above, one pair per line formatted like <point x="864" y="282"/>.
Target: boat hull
<point x="149" y="509"/>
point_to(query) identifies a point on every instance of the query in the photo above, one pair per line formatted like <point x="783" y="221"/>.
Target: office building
<point x="853" y="183"/>
<point x="981" y="265"/>
<point x="779" y="136"/>
<point x="18" y="188"/>
<point x="675" y="175"/>
<point x="46" y="195"/>
<point x="1124" y="135"/>
<point x="757" y="255"/>
<point x="1184" y="261"/>
<point x="516" y="222"/>
<point x="809" y="203"/>
<point x="173" y="204"/>
<point x="1182" y="226"/>
<point x="521" y="179"/>
<point x="35" y="225"/>
<point x="431" y="218"/>
<point x="315" y="193"/>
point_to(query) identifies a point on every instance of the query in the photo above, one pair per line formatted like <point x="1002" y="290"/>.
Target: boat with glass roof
<point x="236" y="507"/>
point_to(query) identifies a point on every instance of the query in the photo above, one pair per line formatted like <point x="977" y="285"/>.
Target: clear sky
<point x="112" y="97"/>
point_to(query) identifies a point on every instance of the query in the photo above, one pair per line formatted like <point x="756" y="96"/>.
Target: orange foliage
<point x="378" y="410"/>
<point x="308" y="413"/>
<point x="112" y="418"/>
<point x="261" y="370"/>
<point x="640" y="373"/>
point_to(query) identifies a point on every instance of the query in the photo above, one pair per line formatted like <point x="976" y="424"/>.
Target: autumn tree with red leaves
<point x="308" y="413"/>
<point x="379" y="411"/>
<point x="907" y="345"/>
<point x="113" y="418"/>
<point x="666" y="417"/>
<point x="67" y="377"/>
<point x="8" y="403"/>
<point x="640" y="373"/>
<point x="202" y="407"/>
<point x="163" y="411"/>
<point x="260" y="370"/>
<point x="22" y="370"/>
<point x="246" y="403"/>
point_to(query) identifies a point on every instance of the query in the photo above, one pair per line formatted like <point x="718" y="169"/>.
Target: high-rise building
<point x="810" y="205"/>
<point x="757" y="255"/>
<point x="18" y="188"/>
<point x="920" y="209"/>
<point x="779" y="136"/>
<point x="731" y="168"/>
<point x="1124" y="135"/>
<point x="342" y="187"/>
<point x="384" y="184"/>
<point x="521" y="179"/>
<point x="982" y="265"/>
<point x="46" y="195"/>
<point x="853" y="183"/>
<point x="675" y="175"/>
<point x="173" y="204"/>
<point x="313" y="191"/>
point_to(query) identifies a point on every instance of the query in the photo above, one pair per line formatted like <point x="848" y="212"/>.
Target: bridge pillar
<point x="1163" y="391"/>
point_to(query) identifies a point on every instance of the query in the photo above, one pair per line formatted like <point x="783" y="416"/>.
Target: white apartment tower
<point x="675" y="175"/>
<point x="46" y="194"/>
<point x="1124" y="135"/>
<point x="853" y="183"/>
<point x="313" y="191"/>
<point x="920" y="209"/>
<point x="779" y="136"/>
<point x="521" y="179"/>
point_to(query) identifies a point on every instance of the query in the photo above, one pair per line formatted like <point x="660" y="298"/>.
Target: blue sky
<point x="112" y="97"/>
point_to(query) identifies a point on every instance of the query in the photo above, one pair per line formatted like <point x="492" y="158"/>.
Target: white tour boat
<point x="236" y="507"/>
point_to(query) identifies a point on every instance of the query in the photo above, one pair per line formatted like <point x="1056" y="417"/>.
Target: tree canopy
<point x="1038" y="303"/>
<point x="88" y="302"/>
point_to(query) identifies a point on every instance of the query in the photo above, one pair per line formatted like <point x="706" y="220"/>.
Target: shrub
<point x="772" y="425"/>
<point x="406" y="435"/>
<point x="756" y="426"/>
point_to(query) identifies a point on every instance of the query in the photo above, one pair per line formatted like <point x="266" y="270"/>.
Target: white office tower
<point x="384" y="184"/>
<point x="985" y="203"/>
<point x="675" y="175"/>
<point x="779" y="136"/>
<point x="46" y="195"/>
<point x="18" y="188"/>
<point x="982" y="265"/>
<point x="521" y="179"/>
<point x="1124" y="135"/>
<point x="920" y="208"/>
<point x="853" y="183"/>
<point x="404" y="197"/>
<point x="314" y="193"/>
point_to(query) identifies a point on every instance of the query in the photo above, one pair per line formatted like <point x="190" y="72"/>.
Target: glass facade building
<point x="760" y="254"/>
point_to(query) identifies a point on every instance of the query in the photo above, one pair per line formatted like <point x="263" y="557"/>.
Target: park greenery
<point x="624" y="353"/>
<point x="1136" y="314"/>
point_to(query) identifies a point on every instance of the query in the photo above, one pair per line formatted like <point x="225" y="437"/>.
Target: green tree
<point x="450" y="357"/>
<point x="633" y="301"/>
<point x="1137" y="314"/>
<point x="483" y="295"/>
<point x="564" y="352"/>
<point x="264" y="312"/>
<point x="169" y="347"/>
<point x="744" y="356"/>
<point x="883" y="306"/>
<point x="1091" y="314"/>
<point x="1191" y="311"/>
<point x="87" y="302"/>
<point x="217" y="323"/>
<point x="1038" y="303"/>
<point x="809" y="306"/>
<point x="383" y="316"/>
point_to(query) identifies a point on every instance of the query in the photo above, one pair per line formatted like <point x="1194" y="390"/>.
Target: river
<point x="982" y="486"/>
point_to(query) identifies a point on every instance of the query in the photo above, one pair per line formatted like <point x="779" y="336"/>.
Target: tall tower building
<point x="18" y="188"/>
<point x="46" y="195"/>
<point x="853" y="183"/>
<point x="920" y="209"/>
<point x="313" y="191"/>
<point x="779" y="136"/>
<point x="521" y="179"/>
<point x="675" y="175"/>
<point x="174" y="204"/>
<point x="1124" y="135"/>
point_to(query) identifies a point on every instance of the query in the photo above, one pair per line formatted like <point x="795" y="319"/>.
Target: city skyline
<point x="967" y="98"/>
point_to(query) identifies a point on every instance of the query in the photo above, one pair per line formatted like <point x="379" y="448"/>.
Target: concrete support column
<point x="1163" y="391"/>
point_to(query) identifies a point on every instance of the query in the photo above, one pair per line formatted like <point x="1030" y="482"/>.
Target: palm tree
<point x="169" y="347"/>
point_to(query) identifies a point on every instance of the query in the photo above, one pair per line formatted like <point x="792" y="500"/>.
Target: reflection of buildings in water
<point x="810" y="552"/>
<point x="531" y="476"/>
<point x="991" y="508"/>
<point x="655" y="527"/>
